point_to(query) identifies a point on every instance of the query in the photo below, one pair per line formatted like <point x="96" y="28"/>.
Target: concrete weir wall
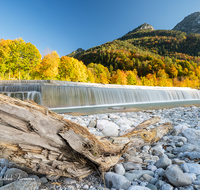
<point x="55" y="94"/>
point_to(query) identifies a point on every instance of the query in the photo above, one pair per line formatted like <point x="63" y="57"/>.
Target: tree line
<point x="115" y="62"/>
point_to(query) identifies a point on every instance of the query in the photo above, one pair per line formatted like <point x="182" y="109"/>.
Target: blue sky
<point x="65" y="25"/>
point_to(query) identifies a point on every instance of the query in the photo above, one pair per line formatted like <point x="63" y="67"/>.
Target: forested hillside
<point x="157" y="57"/>
<point x="143" y="56"/>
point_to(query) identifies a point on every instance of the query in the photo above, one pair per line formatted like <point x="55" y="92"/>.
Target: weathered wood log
<point x="36" y="138"/>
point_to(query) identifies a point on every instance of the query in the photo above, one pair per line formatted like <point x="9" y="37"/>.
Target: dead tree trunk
<point x="36" y="138"/>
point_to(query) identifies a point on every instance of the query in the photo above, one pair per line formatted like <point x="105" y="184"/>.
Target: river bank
<point x="171" y="163"/>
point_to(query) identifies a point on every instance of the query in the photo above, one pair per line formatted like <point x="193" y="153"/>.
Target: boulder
<point x="176" y="176"/>
<point x="113" y="180"/>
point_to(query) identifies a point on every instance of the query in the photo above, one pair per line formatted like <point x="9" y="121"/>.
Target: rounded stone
<point x="163" y="162"/>
<point x="110" y="129"/>
<point x="176" y="176"/>
<point x="14" y="174"/>
<point x="119" y="169"/>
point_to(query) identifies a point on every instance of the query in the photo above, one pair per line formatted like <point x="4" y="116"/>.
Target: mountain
<point x="190" y="24"/>
<point x="142" y="27"/>
<point x="166" y="54"/>
<point x="76" y="53"/>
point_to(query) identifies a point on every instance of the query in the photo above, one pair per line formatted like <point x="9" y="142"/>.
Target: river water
<point x="89" y="110"/>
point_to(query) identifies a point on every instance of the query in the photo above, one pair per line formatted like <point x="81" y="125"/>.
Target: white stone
<point x="181" y="127"/>
<point x="138" y="188"/>
<point x="132" y="166"/>
<point x="152" y="168"/>
<point x="131" y="158"/>
<point x="110" y="129"/>
<point x="103" y="116"/>
<point x="85" y="186"/>
<point x="113" y="116"/>
<point x="124" y="127"/>
<point x="124" y="121"/>
<point x="119" y="169"/>
<point x="92" y="123"/>
<point x="157" y="150"/>
<point x="101" y="124"/>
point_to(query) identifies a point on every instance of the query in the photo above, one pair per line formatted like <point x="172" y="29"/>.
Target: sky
<point x="66" y="25"/>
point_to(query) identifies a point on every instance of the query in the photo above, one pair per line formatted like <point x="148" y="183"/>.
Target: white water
<point x="59" y="94"/>
<point x="31" y="95"/>
<point x="76" y="96"/>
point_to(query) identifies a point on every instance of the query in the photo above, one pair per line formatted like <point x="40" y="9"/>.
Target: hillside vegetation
<point x="141" y="57"/>
<point x="158" y="57"/>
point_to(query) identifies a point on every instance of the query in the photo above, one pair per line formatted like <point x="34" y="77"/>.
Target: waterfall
<point x="55" y="94"/>
<point x="72" y="96"/>
<point x="22" y="91"/>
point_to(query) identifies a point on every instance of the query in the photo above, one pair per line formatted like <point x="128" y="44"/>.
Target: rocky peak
<point x="145" y="26"/>
<point x="142" y="27"/>
<point x="75" y="53"/>
<point x="190" y="24"/>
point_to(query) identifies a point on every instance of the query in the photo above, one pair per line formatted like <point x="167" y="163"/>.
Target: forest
<point x="141" y="57"/>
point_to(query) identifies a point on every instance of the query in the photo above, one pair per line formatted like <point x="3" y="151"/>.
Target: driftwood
<point x="36" y="138"/>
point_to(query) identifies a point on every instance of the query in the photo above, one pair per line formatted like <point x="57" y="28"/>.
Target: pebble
<point x="166" y="187"/>
<point x="171" y="163"/>
<point x="138" y="188"/>
<point x="163" y="162"/>
<point x="152" y="187"/>
<point x="132" y="166"/>
<point x="147" y="177"/>
<point x="136" y="174"/>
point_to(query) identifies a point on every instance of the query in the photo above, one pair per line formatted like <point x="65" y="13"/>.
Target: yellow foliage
<point x="71" y="69"/>
<point x="49" y="66"/>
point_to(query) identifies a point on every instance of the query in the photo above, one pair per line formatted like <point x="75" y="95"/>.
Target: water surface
<point x="89" y="110"/>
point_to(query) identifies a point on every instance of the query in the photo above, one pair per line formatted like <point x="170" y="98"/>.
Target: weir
<point x="57" y="94"/>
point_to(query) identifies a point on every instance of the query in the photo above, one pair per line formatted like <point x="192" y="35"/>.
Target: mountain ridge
<point x="190" y="24"/>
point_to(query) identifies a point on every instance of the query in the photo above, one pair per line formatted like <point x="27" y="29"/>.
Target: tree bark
<point x="36" y="138"/>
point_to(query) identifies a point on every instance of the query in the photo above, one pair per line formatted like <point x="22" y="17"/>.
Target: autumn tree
<point x="90" y="77"/>
<point x="18" y="59"/>
<point x="132" y="77"/>
<point x="120" y="77"/>
<point x="101" y="73"/>
<point x="49" y="66"/>
<point x="71" y="69"/>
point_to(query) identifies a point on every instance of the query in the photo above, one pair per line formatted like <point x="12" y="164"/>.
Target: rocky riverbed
<point x="170" y="164"/>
